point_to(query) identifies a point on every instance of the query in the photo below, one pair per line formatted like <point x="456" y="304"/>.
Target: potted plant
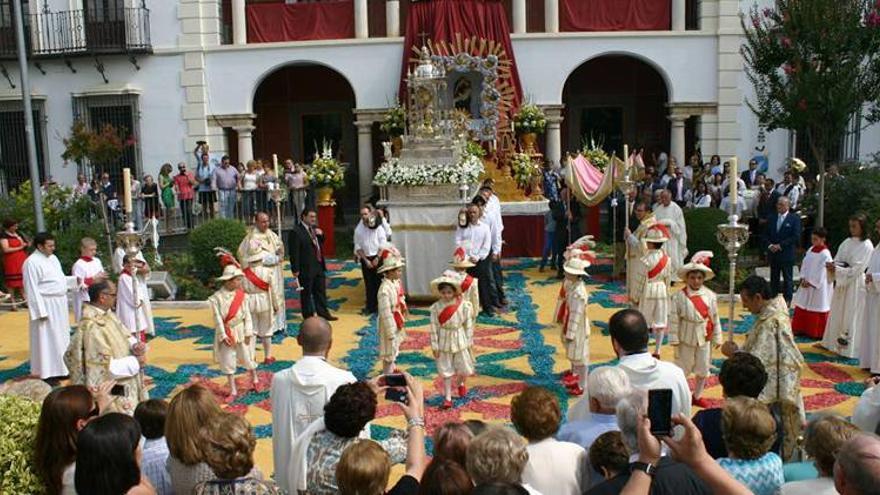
<point x="528" y="122"/>
<point x="393" y="126"/>
<point x="327" y="174"/>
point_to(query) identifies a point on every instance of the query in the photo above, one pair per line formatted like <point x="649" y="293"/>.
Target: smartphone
<point x="660" y="411"/>
<point x="395" y="380"/>
<point x="118" y="390"/>
<point x="396" y="395"/>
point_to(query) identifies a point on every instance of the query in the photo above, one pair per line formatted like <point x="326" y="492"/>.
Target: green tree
<point x="814" y="64"/>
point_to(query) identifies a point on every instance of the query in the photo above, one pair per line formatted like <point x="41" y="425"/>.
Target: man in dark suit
<point x="679" y="186"/>
<point x="750" y="176"/>
<point x="308" y="265"/>
<point x="782" y="236"/>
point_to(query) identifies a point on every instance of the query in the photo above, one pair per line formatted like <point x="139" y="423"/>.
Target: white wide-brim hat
<point x="576" y="266"/>
<point x="695" y="267"/>
<point x="230" y="272"/>
<point x="390" y="263"/>
<point x="444" y="279"/>
<point x="657" y="233"/>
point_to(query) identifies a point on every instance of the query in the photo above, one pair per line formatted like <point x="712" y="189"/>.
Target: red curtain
<point x="269" y="22"/>
<point x="615" y="15"/>
<point x="442" y="20"/>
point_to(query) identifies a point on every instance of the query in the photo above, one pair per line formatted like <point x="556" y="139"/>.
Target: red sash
<point x="237" y="301"/>
<point x="466" y="283"/>
<point x="703" y="311"/>
<point x="401" y="304"/>
<point x="449" y="311"/>
<point x="254" y="279"/>
<point x="87" y="259"/>
<point x="658" y="268"/>
<point x="819" y="248"/>
<point x="563" y="312"/>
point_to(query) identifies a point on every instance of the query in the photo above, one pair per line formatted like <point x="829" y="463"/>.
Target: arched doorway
<point x="297" y="107"/>
<point x="616" y="99"/>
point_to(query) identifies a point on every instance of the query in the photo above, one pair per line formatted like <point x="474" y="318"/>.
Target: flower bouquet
<point x="326" y="171"/>
<point x="524" y="169"/>
<point x="594" y="153"/>
<point x="529" y="119"/>
<point x="394" y="122"/>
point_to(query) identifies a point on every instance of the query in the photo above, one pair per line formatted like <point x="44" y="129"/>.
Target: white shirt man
<point x="791" y="189"/>
<point x="46" y="289"/>
<point x="739" y="206"/>
<point x="670" y="214"/>
<point x="300" y="392"/>
<point x="368" y="240"/>
<point x="476" y="239"/>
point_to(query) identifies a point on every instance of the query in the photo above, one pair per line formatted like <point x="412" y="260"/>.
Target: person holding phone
<point x="452" y="335"/>
<point x="102" y="349"/>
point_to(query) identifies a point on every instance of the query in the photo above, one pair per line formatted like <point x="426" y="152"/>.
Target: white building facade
<point x="170" y="80"/>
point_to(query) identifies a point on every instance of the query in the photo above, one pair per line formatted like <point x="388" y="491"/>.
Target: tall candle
<point x="733" y="178"/>
<point x="126" y="189"/>
<point x="625" y="157"/>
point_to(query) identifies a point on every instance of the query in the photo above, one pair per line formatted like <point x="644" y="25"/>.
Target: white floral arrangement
<point x="392" y="173"/>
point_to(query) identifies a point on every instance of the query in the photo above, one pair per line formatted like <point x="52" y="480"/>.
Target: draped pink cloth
<point x="615" y="15"/>
<point x="589" y="184"/>
<point x="327" y="20"/>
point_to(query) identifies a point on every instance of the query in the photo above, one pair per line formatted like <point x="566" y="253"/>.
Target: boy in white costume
<point x="470" y="290"/>
<point x="694" y="324"/>
<point x="129" y="306"/>
<point x="575" y="324"/>
<point x="88" y="269"/>
<point x="234" y="329"/>
<point x="452" y="333"/>
<point x="393" y="312"/>
<point x="263" y="302"/>
<point x="652" y="278"/>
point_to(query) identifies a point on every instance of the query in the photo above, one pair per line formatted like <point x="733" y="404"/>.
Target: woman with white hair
<point x="498" y="455"/>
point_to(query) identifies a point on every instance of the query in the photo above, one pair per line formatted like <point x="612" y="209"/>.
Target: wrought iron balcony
<point x="119" y="30"/>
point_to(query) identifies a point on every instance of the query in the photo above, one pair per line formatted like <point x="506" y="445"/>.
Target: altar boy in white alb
<point x="694" y="324"/>
<point x="129" y="305"/>
<point x="88" y="269"/>
<point x="141" y="271"/>
<point x="869" y="349"/>
<point x="46" y="289"/>
<point x="812" y="301"/>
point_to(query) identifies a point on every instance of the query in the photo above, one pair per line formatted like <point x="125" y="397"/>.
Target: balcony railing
<point x="81" y="33"/>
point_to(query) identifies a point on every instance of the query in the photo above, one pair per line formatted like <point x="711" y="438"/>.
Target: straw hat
<point x="657" y="233"/>
<point x="390" y="257"/>
<point x="576" y="266"/>
<point x="699" y="263"/>
<point x="460" y="259"/>
<point x="443" y="279"/>
<point x="230" y="272"/>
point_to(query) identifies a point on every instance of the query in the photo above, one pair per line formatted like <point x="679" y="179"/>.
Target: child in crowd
<point x="392" y="308"/>
<point x="470" y="290"/>
<point x="452" y="335"/>
<point x="812" y="301"/>
<point x="652" y="277"/>
<point x="88" y="269"/>
<point x="129" y="305"/>
<point x="262" y="304"/>
<point x="150" y="415"/>
<point x="234" y="328"/>
<point x="572" y="315"/>
<point x="694" y="324"/>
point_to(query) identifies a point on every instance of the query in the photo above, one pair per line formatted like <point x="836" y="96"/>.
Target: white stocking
<point x="447" y="388"/>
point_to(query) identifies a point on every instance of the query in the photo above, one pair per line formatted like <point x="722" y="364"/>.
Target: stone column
<point x="245" y="142"/>
<point x="551" y="16"/>
<point x="519" y="16"/>
<point x="365" y="158"/>
<point x="553" y="133"/>
<point x="676" y="142"/>
<point x="239" y="22"/>
<point x="361" y="24"/>
<point x="679" y="7"/>
<point x="392" y="18"/>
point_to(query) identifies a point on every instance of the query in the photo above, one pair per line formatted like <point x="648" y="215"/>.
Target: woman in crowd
<point x="554" y="466"/>
<point x="715" y="165"/>
<point x="166" y="191"/>
<point x="451" y="442"/>
<point x="14" y="247"/>
<point x="191" y="410"/>
<point x="699" y="196"/>
<point x="297" y="184"/>
<point x="229" y="452"/>
<point x="150" y="195"/>
<point x="65" y="411"/>
<point x="715" y="189"/>
<point x="749" y="431"/>
<point x="249" y="183"/>
<point x="498" y="455"/>
<point x="609" y="455"/>
<point x="823" y="438"/>
<point x="108" y="458"/>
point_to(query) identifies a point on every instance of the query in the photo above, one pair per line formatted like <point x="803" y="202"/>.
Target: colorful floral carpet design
<point x="514" y="349"/>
